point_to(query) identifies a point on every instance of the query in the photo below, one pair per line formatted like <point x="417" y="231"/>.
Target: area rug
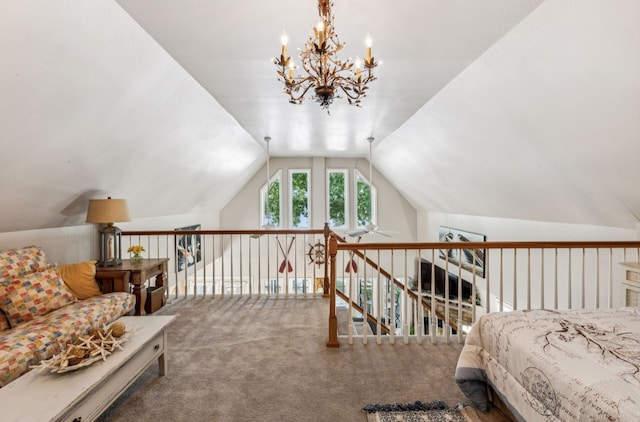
<point x="435" y="411"/>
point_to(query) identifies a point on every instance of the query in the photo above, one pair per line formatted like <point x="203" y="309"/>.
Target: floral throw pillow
<point x="24" y="298"/>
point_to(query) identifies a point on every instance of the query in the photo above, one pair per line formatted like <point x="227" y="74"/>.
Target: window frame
<point x="374" y="199"/>
<point x="345" y="173"/>
<point x="290" y="199"/>
<point x="277" y="176"/>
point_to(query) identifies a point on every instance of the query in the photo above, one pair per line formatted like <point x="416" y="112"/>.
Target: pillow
<point x="80" y="278"/>
<point x="23" y="298"/>
<point x="19" y="262"/>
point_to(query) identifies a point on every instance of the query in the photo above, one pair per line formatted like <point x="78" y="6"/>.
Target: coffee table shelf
<point x="83" y="395"/>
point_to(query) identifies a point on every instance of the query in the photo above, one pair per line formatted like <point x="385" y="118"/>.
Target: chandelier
<point x="325" y="72"/>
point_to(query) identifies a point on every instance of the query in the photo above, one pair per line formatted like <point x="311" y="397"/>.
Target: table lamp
<point x="109" y="211"/>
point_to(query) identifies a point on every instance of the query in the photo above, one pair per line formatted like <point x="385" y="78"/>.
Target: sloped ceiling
<point x="505" y="108"/>
<point x="92" y="107"/>
<point x="544" y="126"/>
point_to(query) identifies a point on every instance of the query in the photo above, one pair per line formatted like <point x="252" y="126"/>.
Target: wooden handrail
<point x="219" y="232"/>
<point x="340" y="243"/>
<point x="360" y="250"/>
<point x="232" y="235"/>
<point x="491" y="245"/>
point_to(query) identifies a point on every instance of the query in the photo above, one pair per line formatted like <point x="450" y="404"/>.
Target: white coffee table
<point x="83" y="395"/>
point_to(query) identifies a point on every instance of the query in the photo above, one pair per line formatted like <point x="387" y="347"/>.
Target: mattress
<point x="555" y="365"/>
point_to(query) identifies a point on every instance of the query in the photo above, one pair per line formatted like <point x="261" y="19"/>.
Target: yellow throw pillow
<point x="80" y="278"/>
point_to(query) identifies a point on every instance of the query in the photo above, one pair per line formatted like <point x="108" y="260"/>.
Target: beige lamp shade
<point x="107" y="211"/>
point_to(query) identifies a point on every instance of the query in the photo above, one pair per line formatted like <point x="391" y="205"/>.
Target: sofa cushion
<point x="46" y="335"/>
<point x="23" y="298"/>
<point x="20" y="350"/>
<point x="71" y="321"/>
<point x="18" y="262"/>
<point x="80" y="278"/>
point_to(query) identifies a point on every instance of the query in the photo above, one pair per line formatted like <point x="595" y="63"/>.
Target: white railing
<point x="237" y="262"/>
<point x="382" y="292"/>
<point x="377" y="288"/>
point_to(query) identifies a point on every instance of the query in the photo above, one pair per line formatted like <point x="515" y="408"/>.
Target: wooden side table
<point x="140" y="272"/>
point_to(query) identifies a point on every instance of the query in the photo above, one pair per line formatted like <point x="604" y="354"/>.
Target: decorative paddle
<point x="351" y="264"/>
<point x="285" y="262"/>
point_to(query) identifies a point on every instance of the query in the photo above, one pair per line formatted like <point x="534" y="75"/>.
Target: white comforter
<point x="556" y="365"/>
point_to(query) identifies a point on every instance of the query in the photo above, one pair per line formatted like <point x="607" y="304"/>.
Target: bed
<point x="555" y="365"/>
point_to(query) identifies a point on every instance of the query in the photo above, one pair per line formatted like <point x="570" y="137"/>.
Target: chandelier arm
<point x="340" y="63"/>
<point x="299" y="99"/>
<point x="300" y="82"/>
<point x="353" y="97"/>
<point x="314" y="73"/>
<point x="294" y="84"/>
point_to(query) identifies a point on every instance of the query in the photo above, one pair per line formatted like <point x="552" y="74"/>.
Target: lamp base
<point x="110" y="246"/>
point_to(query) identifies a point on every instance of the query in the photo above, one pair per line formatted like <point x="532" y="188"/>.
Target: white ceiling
<point x="228" y="47"/>
<point x="525" y="109"/>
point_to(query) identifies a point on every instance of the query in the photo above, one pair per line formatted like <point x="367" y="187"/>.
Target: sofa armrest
<point x="113" y="281"/>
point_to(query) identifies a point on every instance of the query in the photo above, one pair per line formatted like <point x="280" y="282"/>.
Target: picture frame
<point x="188" y="248"/>
<point x="463" y="257"/>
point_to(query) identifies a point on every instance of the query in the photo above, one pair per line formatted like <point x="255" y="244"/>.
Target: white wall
<point x="497" y="229"/>
<point x="62" y="245"/>
<point x="502" y="229"/>
<point x="80" y="243"/>
<point x="394" y="211"/>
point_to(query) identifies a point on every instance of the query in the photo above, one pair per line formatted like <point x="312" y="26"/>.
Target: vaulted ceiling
<point x="523" y="109"/>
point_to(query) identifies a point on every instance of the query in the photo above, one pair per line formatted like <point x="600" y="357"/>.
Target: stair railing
<point x="517" y="275"/>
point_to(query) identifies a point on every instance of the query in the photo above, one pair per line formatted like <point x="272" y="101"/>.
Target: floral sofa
<point x="43" y="307"/>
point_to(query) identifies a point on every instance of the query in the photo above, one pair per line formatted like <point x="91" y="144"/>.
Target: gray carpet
<point x="265" y="359"/>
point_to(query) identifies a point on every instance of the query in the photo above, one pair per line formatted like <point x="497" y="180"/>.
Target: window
<point x="270" y="204"/>
<point x="299" y="191"/>
<point x="337" y="208"/>
<point x="366" y="201"/>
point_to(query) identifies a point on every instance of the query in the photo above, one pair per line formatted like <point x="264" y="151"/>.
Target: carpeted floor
<point x="265" y="359"/>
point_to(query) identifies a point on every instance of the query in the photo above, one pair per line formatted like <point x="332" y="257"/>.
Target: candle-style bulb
<point x="358" y="65"/>
<point x="367" y="43"/>
<point x="292" y="67"/>
<point x="285" y="40"/>
<point x="320" y="31"/>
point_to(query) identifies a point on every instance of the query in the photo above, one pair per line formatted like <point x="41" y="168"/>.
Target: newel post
<point x="332" y="341"/>
<point x="325" y="287"/>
